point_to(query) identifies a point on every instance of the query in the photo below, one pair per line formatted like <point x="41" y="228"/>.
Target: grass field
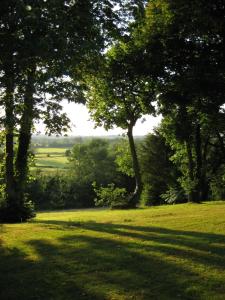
<point x="50" y="150"/>
<point x="170" y="252"/>
<point x="50" y="159"/>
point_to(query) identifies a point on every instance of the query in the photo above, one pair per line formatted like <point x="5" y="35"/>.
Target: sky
<point x="83" y="126"/>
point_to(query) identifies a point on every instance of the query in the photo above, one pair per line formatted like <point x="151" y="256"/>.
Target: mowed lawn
<point x="168" y="252"/>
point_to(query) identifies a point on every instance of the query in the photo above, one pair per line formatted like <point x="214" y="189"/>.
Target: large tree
<point x="43" y="44"/>
<point x="118" y="96"/>
<point x="183" y="44"/>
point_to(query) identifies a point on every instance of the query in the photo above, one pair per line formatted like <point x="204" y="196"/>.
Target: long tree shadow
<point x="111" y="261"/>
<point x="210" y="246"/>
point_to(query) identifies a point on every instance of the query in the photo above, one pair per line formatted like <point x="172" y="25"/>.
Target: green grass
<point x="53" y="161"/>
<point x="169" y="252"/>
<point x="50" y="150"/>
<point x="50" y="159"/>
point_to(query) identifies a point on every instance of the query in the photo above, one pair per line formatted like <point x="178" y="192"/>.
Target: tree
<point x="190" y="81"/>
<point x="174" y="129"/>
<point x="117" y="95"/>
<point x="43" y="45"/>
<point x="159" y="174"/>
<point x="91" y="162"/>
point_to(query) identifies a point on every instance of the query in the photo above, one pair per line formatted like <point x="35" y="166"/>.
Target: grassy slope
<point x="171" y="252"/>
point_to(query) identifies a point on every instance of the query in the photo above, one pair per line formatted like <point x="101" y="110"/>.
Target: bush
<point x="60" y="192"/>
<point x="68" y="153"/>
<point x="19" y="212"/>
<point x="218" y="187"/>
<point x="110" y="196"/>
<point x="151" y="195"/>
<point x="174" y="195"/>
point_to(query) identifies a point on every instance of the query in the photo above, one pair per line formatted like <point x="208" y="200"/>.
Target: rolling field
<point x="50" y="159"/>
<point x="167" y="252"/>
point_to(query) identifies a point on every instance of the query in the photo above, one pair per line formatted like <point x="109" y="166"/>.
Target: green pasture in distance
<point x="167" y="252"/>
<point x="54" y="162"/>
<point x="50" y="150"/>
<point x="47" y="171"/>
<point x="50" y="159"/>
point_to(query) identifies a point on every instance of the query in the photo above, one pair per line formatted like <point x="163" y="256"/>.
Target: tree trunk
<point x="205" y="190"/>
<point x="205" y="179"/>
<point x="191" y="195"/>
<point x="135" y="197"/>
<point x="199" y="171"/>
<point x="9" y="139"/>
<point x="24" y="139"/>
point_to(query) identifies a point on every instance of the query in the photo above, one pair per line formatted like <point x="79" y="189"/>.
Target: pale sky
<point x="83" y="126"/>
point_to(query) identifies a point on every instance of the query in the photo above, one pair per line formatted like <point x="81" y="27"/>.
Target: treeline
<point x="43" y="141"/>
<point x="101" y="174"/>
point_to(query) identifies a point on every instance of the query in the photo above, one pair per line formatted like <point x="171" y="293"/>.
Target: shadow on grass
<point x="21" y="278"/>
<point x="112" y="261"/>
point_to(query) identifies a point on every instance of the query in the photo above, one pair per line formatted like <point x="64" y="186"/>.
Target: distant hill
<point x="68" y="141"/>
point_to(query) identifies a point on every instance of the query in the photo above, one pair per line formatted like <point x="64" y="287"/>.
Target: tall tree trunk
<point x="135" y="197"/>
<point x="199" y="171"/>
<point x="191" y="195"/>
<point x="205" y="190"/>
<point x="205" y="179"/>
<point x="26" y="123"/>
<point x="9" y="138"/>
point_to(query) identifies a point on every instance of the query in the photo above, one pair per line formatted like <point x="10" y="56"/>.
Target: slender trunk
<point x="199" y="171"/>
<point x="205" y="191"/>
<point x="26" y="123"/>
<point x="9" y="139"/>
<point x="205" y="179"/>
<point x="191" y="195"/>
<point x="135" y="197"/>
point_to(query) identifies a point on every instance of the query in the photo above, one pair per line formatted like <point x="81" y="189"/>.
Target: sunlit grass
<point x="57" y="162"/>
<point x="50" y="150"/>
<point x="50" y="160"/>
<point x="168" y="252"/>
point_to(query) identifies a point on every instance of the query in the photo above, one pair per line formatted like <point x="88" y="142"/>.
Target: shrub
<point x="174" y="195"/>
<point x="59" y="192"/>
<point x="68" y="153"/>
<point x="151" y="195"/>
<point x="18" y="212"/>
<point x="110" y="196"/>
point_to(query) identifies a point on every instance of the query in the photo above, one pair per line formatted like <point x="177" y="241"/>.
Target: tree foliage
<point x="119" y="96"/>
<point x="91" y="162"/>
<point x="44" y="46"/>
<point x="183" y="54"/>
<point x="159" y="174"/>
